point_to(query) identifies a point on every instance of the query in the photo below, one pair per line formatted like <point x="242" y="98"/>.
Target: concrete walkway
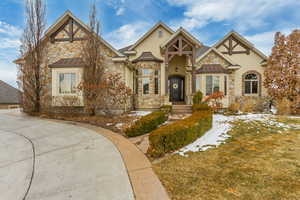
<point x="45" y="160"/>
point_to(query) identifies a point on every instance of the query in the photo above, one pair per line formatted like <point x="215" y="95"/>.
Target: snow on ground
<point x="139" y="113"/>
<point x="221" y="125"/>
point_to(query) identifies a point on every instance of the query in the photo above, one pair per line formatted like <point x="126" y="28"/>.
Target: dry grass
<point x="259" y="162"/>
<point x="114" y="123"/>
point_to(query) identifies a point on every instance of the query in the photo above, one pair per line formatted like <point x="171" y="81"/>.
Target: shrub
<point x="234" y="107"/>
<point x="166" y="108"/>
<point x="197" y="98"/>
<point x="253" y="104"/>
<point x="200" y="107"/>
<point x="179" y="134"/>
<point x="215" y="99"/>
<point x="284" y="107"/>
<point x="147" y="124"/>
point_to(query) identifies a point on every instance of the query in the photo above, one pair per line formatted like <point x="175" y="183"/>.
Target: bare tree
<point x="32" y="51"/>
<point x="93" y="73"/>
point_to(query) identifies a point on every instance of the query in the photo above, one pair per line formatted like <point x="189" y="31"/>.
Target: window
<point x="212" y="84"/>
<point x="136" y="82"/>
<point x="160" y="33"/>
<point x="225" y="85"/>
<point x="198" y="83"/>
<point x="146" y="72"/>
<point x="146" y="83"/>
<point x="156" y="82"/>
<point x="251" y="83"/>
<point x="67" y="83"/>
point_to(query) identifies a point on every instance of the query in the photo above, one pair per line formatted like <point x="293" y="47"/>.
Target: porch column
<point x="166" y="80"/>
<point x="193" y="71"/>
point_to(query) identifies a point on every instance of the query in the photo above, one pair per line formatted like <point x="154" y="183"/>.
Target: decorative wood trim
<point x="231" y="47"/>
<point x="71" y="33"/>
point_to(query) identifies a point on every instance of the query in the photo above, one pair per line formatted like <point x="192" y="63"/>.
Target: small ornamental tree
<point x="215" y="100"/>
<point x="281" y="72"/>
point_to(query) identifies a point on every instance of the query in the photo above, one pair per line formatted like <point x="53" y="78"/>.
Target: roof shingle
<point x="8" y="94"/>
<point x="147" y="56"/>
<point x="68" y="62"/>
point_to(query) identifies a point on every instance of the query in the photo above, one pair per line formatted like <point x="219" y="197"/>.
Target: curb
<point x="145" y="183"/>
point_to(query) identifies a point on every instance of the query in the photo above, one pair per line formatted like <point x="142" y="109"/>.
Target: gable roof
<point x="184" y="33"/>
<point x="244" y="41"/>
<point x="60" y="21"/>
<point x="200" y="51"/>
<point x="218" y="53"/>
<point x="8" y="94"/>
<point x="147" y="56"/>
<point x="150" y="32"/>
<point x="122" y="50"/>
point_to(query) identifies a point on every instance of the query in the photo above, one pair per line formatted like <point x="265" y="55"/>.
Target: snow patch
<point x="140" y="113"/>
<point x="221" y="126"/>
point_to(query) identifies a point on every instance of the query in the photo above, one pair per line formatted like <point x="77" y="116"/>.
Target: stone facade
<point x="212" y="58"/>
<point x="55" y="51"/>
<point x="151" y="100"/>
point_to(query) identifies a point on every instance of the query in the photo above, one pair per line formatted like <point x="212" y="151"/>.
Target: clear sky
<point x="124" y="21"/>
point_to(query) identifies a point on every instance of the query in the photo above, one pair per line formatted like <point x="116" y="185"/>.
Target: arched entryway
<point x="176" y="88"/>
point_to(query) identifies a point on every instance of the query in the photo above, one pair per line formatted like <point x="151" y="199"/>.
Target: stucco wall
<point x="152" y="43"/>
<point x="251" y="62"/>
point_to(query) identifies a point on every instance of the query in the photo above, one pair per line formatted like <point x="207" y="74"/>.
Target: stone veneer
<point x="212" y="58"/>
<point x="65" y="49"/>
<point x="151" y="100"/>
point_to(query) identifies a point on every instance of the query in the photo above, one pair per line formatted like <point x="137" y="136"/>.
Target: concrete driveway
<point x="44" y="160"/>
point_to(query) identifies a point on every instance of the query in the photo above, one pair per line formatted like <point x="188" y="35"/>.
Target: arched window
<point x="251" y="83"/>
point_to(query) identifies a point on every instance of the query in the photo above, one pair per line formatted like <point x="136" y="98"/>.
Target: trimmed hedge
<point x="166" y="108"/>
<point x="147" y="124"/>
<point x="200" y="107"/>
<point x="197" y="98"/>
<point x="179" y="134"/>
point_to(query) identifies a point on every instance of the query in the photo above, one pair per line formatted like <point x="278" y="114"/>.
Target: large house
<point x="170" y="66"/>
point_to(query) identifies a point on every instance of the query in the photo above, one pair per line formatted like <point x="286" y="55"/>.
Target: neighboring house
<point x="170" y="65"/>
<point x="9" y="96"/>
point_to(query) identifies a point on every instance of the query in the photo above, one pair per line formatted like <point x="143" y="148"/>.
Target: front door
<point x="176" y="85"/>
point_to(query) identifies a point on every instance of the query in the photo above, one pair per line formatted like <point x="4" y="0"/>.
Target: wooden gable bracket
<point x="230" y="47"/>
<point x="70" y="32"/>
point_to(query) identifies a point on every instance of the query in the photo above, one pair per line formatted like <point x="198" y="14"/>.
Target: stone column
<point x="166" y="80"/>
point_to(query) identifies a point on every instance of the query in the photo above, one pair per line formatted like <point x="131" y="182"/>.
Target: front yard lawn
<point x="260" y="161"/>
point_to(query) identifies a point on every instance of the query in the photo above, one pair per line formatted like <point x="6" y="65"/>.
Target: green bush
<point x="197" y="98"/>
<point x="200" y="107"/>
<point x="179" y="134"/>
<point x="166" y="108"/>
<point x="147" y="124"/>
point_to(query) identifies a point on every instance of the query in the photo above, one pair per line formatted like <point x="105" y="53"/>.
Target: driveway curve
<point x="45" y="160"/>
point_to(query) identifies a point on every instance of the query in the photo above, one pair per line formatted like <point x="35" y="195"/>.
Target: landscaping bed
<point x="259" y="161"/>
<point x="114" y="123"/>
